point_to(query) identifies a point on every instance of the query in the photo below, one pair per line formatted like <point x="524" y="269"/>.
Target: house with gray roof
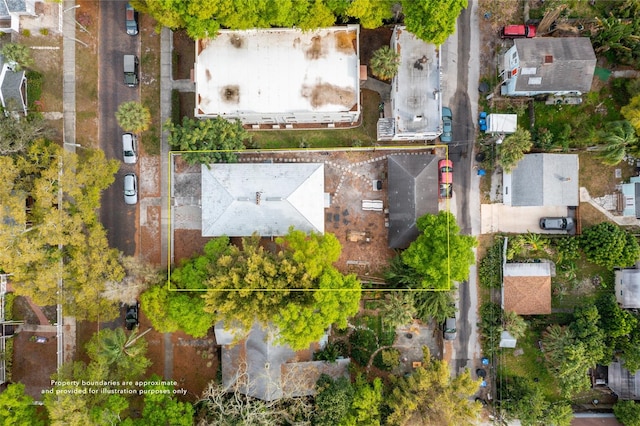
<point x="629" y="200"/>
<point x="13" y="88"/>
<point x="12" y="10"/>
<point x="627" y="288"/>
<point x="413" y="192"/>
<point x="416" y="105"/>
<point x="548" y="65"/>
<point x="259" y="367"/>
<point x="543" y="180"/>
<point x="267" y="198"/>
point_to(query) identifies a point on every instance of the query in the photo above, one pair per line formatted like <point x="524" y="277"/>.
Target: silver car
<point x="450" y="331"/>
<point x="130" y="189"/>
<point x="557" y="223"/>
<point x="129" y="148"/>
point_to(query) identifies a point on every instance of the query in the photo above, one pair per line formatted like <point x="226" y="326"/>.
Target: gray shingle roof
<point x="562" y="63"/>
<point x="545" y="180"/>
<point x="413" y="192"/>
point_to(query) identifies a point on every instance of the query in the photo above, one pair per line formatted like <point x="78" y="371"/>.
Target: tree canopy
<point x="17" y="132"/>
<point x="440" y="255"/>
<point x="17" y="408"/>
<point x="430" y="396"/>
<point x="216" y="134"/>
<point x="513" y="148"/>
<point x="627" y="412"/>
<point x="133" y="117"/>
<point x="620" y="140"/>
<point x="385" y="63"/>
<point x="432" y="20"/>
<point x="294" y="287"/>
<point x="18" y="53"/>
<point x="49" y="240"/>
<point x="607" y="244"/>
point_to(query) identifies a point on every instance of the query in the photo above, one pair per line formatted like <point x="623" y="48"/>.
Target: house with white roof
<point x="280" y="78"/>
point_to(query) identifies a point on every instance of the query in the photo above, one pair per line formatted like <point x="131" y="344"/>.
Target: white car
<point x="130" y="189"/>
<point x="129" y="148"/>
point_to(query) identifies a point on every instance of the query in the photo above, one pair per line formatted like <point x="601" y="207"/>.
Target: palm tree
<point x="398" y="309"/>
<point x="620" y="139"/>
<point x="438" y="305"/>
<point x="384" y="63"/>
<point x="124" y="355"/>
<point x="133" y="117"/>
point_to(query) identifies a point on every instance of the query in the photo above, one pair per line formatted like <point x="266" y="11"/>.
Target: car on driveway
<point x="450" y="331"/>
<point x="131" y="316"/>
<point x="130" y="189"/>
<point x="129" y="148"/>
<point x="518" y="31"/>
<point x="557" y="223"/>
<point x="445" y="178"/>
<point x="447" y="125"/>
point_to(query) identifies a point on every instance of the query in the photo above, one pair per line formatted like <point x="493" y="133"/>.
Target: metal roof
<point x="545" y="180"/>
<point x="413" y="192"/>
<point x="240" y="199"/>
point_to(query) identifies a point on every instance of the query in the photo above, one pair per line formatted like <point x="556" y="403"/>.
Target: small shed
<point x="502" y="123"/>
<point x="507" y="340"/>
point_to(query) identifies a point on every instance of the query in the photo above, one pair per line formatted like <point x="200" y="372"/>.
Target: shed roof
<point x="624" y="383"/>
<point x="545" y="180"/>
<point x="412" y="190"/>
<point x="240" y="199"/>
<point x="627" y="288"/>
<point x="526" y="288"/>
<point x="555" y="64"/>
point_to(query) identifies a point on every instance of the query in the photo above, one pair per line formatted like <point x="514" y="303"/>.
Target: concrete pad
<point x="502" y="218"/>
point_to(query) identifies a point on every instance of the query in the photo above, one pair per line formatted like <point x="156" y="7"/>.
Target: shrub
<point x="26" y="33"/>
<point x="387" y="359"/>
<point x="44" y="31"/>
<point x="331" y="352"/>
<point x="363" y="344"/>
<point x="568" y="248"/>
<point x="490" y="327"/>
<point x="490" y="270"/>
<point x="608" y="245"/>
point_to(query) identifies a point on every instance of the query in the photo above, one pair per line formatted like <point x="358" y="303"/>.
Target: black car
<point x="131" y="317"/>
<point x="557" y="223"/>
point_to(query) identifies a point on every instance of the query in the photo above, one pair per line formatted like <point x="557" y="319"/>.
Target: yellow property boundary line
<point x="171" y="154"/>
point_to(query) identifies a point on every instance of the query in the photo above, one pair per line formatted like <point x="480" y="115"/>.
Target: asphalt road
<point x="118" y="218"/>
<point x="461" y="152"/>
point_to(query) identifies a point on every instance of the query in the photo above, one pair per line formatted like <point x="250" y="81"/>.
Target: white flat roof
<point x="278" y="70"/>
<point x="502" y="123"/>
<point x="240" y="199"/>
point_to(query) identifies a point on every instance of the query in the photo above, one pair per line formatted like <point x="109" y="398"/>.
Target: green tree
<point x="18" y="53"/>
<point x="371" y="13"/>
<point x="627" y="412"/>
<point x="568" y="358"/>
<point x="17" y="132"/>
<point x="296" y="287"/>
<point x="333" y="400"/>
<point x="366" y="403"/>
<point x="440" y="254"/>
<point x="397" y="309"/>
<point x="490" y="269"/>
<point x="436" y="305"/>
<point x="586" y="329"/>
<point x="430" y="396"/>
<point x="123" y="354"/>
<point x="621" y="140"/>
<point x="632" y="112"/>
<point x="513" y="148"/>
<point x="432" y="20"/>
<point x="606" y="244"/>
<point x="133" y="117"/>
<point x="16" y="407"/>
<point x="162" y="408"/>
<point x="514" y="324"/>
<point x="217" y="134"/>
<point x="54" y="240"/>
<point x="385" y="63"/>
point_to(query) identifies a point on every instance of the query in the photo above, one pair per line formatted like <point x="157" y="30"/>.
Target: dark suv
<point x="131" y="316"/>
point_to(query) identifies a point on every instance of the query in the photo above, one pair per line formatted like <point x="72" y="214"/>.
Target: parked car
<point x="131" y="70"/>
<point x="450" y="331"/>
<point x="131" y="20"/>
<point x="129" y="148"/>
<point x="130" y="188"/>
<point x="518" y="31"/>
<point x="559" y="223"/>
<point x="447" y="125"/>
<point x="131" y="316"/>
<point x="445" y="178"/>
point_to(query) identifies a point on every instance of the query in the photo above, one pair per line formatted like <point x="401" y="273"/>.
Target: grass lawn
<point x="600" y="179"/>
<point x="364" y="135"/>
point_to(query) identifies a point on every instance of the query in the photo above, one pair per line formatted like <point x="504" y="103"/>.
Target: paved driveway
<point x="502" y="218"/>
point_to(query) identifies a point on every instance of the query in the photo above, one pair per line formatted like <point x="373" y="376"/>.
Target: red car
<point x="445" y="178"/>
<point x="518" y="31"/>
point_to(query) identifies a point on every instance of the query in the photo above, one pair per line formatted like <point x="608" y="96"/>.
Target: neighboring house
<point x="413" y="192"/>
<point x="526" y="288"/>
<point x="280" y="78"/>
<point x="502" y="123"/>
<point x="416" y="104"/>
<point x="627" y="287"/>
<point x="547" y="65"/>
<point x="13" y="88"/>
<point x="12" y="10"/>
<point x="629" y="200"/>
<point x="260" y="368"/>
<point x="543" y="180"/>
<point x="267" y="198"/>
<point x="624" y="383"/>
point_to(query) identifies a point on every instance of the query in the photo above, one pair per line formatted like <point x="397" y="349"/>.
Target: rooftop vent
<point x="258" y="197"/>
<point x="548" y="59"/>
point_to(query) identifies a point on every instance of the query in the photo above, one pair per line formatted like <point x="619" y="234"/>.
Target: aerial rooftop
<point x="279" y="76"/>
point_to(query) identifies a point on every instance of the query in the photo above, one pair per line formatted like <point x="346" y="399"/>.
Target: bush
<point x="387" y="359"/>
<point x="44" y="31"/>
<point x="331" y="352"/>
<point x="490" y="327"/>
<point x="490" y="270"/>
<point x="608" y="245"/>
<point x="34" y="87"/>
<point x="363" y="344"/>
<point x="26" y="33"/>
<point x="568" y="248"/>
